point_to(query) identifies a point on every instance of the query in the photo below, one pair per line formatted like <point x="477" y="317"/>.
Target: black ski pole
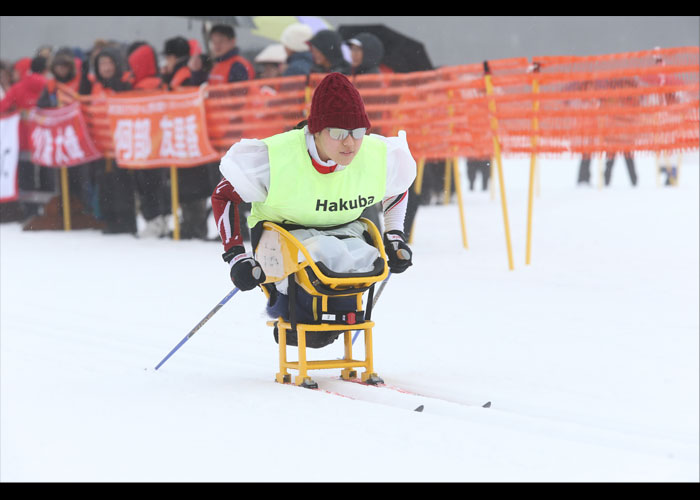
<point x="376" y="298"/>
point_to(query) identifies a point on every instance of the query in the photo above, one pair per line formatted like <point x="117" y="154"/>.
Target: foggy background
<point x="449" y="40"/>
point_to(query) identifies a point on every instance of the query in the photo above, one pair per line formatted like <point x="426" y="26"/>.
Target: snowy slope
<point x="589" y="355"/>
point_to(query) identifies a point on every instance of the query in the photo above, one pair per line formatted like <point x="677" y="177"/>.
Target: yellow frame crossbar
<point x="303" y="365"/>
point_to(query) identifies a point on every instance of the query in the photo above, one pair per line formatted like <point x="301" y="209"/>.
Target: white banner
<point x="9" y="156"/>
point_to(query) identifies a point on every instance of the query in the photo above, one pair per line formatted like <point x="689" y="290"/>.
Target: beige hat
<point x="295" y="36"/>
<point x="274" y="53"/>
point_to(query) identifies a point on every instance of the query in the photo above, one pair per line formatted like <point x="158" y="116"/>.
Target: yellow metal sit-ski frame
<point x="282" y="256"/>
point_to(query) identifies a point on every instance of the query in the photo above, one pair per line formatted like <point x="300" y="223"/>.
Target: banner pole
<point x="497" y="153"/>
<point x="174" y="202"/>
<point x="65" y="198"/>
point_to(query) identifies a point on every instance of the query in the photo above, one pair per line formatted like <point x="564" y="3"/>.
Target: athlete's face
<point x="341" y="151"/>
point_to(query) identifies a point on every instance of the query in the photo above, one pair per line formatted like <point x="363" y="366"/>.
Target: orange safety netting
<point x="559" y="105"/>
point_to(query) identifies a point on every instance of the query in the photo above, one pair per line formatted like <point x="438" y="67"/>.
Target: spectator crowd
<point x="113" y="197"/>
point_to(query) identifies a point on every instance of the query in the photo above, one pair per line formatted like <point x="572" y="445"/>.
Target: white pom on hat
<point x="295" y="36"/>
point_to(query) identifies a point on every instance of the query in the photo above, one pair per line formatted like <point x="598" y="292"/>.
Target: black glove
<point x="246" y="272"/>
<point x="397" y="251"/>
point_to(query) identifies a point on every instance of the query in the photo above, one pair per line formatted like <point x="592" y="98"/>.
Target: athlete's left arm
<point x="400" y="174"/>
<point x="395" y="211"/>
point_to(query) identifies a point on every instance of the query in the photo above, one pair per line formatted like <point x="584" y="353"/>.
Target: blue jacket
<point x="299" y="63"/>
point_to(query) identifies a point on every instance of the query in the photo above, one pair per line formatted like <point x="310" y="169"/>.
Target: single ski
<point x="383" y="385"/>
<point x="401" y="399"/>
<point x="315" y="387"/>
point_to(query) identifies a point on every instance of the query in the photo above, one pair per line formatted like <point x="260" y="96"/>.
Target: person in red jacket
<point x="24" y="94"/>
<point x="63" y="88"/>
<point x="176" y="72"/>
<point x="229" y="65"/>
<point x="143" y="64"/>
<point x="22" y="97"/>
<point x="195" y="184"/>
<point x="66" y="67"/>
<point x="20" y="69"/>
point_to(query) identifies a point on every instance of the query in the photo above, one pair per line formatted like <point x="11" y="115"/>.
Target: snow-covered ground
<point x="589" y="355"/>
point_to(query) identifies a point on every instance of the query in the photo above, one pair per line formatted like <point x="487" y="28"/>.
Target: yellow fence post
<point x="460" y="202"/>
<point x="533" y="163"/>
<point x="419" y="175"/>
<point x="448" y="183"/>
<point x="456" y="175"/>
<point x="65" y="197"/>
<point x="174" y="195"/>
<point x="499" y="163"/>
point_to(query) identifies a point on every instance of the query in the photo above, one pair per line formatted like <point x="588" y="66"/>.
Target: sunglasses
<point x="340" y="134"/>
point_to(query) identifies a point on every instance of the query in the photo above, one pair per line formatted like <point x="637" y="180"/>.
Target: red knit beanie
<point x="337" y="103"/>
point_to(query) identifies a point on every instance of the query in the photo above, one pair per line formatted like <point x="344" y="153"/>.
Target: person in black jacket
<point x="115" y="186"/>
<point x="367" y="51"/>
<point x="326" y="49"/>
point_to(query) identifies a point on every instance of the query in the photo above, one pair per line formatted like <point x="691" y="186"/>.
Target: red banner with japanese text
<point x="59" y="137"/>
<point x="159" y="129"/>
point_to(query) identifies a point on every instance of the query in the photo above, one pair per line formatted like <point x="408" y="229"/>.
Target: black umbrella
<point x="401" y="53"/>
<point x="241" y="21"/>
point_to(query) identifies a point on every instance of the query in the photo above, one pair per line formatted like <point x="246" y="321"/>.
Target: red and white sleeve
<point x="224" y="204"/>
